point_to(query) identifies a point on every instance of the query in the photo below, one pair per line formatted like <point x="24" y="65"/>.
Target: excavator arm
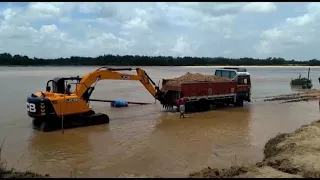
<point x="105" y="73"/>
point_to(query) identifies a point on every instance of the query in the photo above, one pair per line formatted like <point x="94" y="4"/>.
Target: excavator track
<point x="54" y="124"/>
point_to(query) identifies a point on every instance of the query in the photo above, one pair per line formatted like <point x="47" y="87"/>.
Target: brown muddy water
<point x="146" y="139"/>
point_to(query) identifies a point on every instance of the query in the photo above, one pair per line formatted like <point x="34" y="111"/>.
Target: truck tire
<point x="239" y="102"/>
<point x="188" y="108"/>
<point x="203" y="105"/>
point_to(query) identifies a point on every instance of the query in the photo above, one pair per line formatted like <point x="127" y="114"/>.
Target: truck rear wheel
<point x="188" y="108"/>
<point x="203" y="105"/>
<point x="239" y="103"/>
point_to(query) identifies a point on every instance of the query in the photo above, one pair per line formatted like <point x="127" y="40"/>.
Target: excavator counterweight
<point x="48" y="108"/>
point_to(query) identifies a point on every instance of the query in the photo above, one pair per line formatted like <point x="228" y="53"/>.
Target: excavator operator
<point x="68" y="89"/>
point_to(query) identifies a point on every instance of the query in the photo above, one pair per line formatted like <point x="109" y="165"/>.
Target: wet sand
<point x="288" y="155"/>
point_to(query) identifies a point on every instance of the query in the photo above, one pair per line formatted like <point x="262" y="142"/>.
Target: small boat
<point x="305" y="83"/>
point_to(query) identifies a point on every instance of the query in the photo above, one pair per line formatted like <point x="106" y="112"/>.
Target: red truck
<point x="201" y="95"/>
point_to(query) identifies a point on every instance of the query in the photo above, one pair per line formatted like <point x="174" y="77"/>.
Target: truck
<point x="234" y="89"/>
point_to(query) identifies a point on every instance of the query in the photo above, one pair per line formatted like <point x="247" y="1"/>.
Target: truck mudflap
<point x="245" y="96"/>
<point x="169" y="99"/>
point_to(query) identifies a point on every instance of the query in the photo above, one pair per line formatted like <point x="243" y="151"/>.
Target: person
<point x="68" y="90"/>
<point x="181" y="104"/>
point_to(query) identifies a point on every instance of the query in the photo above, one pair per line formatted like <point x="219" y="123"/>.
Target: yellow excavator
<point x="56" y="108"/>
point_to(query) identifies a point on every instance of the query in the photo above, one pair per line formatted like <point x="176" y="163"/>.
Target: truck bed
<point x="204" y="89"/>
<point x="194" y="90"/>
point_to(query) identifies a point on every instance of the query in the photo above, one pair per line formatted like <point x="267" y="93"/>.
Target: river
<point x="145" y="139"/>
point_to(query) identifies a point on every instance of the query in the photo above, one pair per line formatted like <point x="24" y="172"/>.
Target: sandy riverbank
<point x="303" y="95"/>
<point x="293" y="154"/>
<point x="5" y="172"/>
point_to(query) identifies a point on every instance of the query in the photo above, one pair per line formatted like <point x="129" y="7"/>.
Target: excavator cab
<point x="59" y="84"/>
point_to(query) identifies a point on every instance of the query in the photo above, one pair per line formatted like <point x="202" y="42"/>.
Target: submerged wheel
<point x="44" y="127"/>
<point x="36" y="122"/>
<point x="99" y="119"/>
<point x="106" y="119"/>
<point x="91" y="112"/>
<point x="203" y="105"/>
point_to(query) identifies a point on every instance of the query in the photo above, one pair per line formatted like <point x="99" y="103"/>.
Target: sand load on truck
<point x="175" y="83"/>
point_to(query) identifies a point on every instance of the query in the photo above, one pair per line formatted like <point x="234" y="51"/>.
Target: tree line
<point x="6" y="59"/>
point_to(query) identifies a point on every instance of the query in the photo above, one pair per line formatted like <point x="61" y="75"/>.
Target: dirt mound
<point x="306" y="95"/>
<point x="297" y="152"/>
<point x="290" y="155"/>
<point x="242" y="172"/>
<point x="176" y="82"/>
<point x="194" y="77"/>
<point x="137" y="176"/>
<point x="216" y="173"/>
<point x="266" y="172"/>
<point x="27" y="174"/>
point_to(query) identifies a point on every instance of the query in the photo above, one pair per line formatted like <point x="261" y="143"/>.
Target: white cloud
<point x="55" y="29"/>
<point x="48" y="29"/>
<point x="135" y="23"/>
<point x="8" y="13"/>
<point x="259" y="7"/>
<point x="104" y="10"/>
<point x="43" y="10"/>
<point x="182" y="48"/>
<point x="295" y="35"/>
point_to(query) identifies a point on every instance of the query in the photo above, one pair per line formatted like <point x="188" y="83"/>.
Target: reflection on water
<point x="64" y="151"/>
<point x="145" y="139"/>
<point x="296" y="87"/>
<point x="170" y="143"/>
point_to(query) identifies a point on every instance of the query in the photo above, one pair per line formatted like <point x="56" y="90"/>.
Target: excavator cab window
<point x="70" y="85"/>
<point x="59" y="85"/>
<point x="51" y="86"/>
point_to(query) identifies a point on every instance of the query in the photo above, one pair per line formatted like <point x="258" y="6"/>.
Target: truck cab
<point x="241" y="76"/>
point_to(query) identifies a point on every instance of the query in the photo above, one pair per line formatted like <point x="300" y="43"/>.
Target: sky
<point x="205" y="29"/>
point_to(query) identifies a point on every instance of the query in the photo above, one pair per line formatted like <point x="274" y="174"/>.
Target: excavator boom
<point x="105" y="73"/>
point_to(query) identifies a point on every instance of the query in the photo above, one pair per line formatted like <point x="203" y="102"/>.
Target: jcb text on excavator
<point x="47" y="108"/>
